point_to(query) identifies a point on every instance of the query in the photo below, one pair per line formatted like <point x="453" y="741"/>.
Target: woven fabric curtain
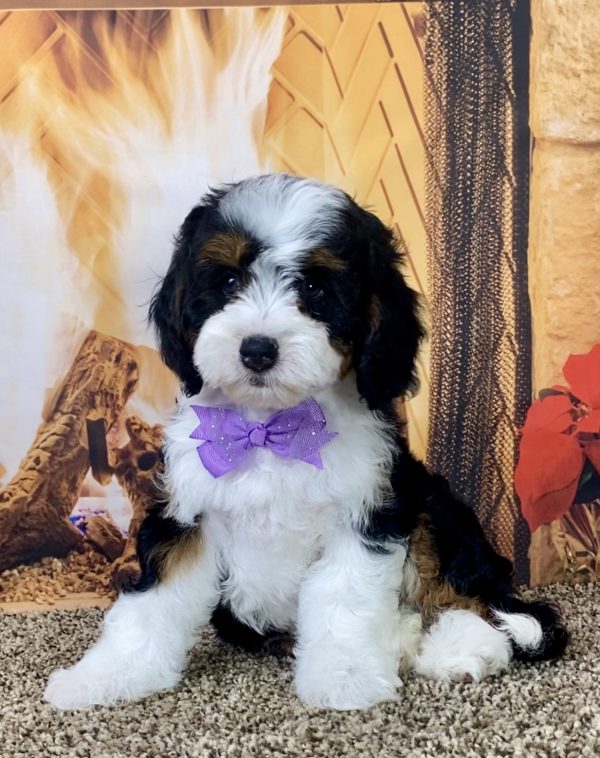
<point x="476" y="56"/>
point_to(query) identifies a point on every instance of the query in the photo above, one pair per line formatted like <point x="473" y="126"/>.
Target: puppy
<point x="291" y="498"/>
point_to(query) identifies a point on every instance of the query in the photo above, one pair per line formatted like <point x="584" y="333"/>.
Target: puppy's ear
<point x="168" y="308"/>
<point x="386" y="361"/>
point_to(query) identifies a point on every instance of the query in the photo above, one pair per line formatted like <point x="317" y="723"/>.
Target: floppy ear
<point x="386" y="363"/>
<point x="167" y="309"/>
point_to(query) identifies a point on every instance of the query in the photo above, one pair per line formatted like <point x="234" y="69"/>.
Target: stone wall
<point x="565" y="183"/>
<point x="564" y="235"/>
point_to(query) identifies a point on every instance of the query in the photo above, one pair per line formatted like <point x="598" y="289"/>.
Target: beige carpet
<point x="231" y="704"/>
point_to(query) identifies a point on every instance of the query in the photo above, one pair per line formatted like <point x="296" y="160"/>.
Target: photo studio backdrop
<point x="112" y="125"/>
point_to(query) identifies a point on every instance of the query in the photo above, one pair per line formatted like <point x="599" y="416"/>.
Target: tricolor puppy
<point x="292" y="504"/>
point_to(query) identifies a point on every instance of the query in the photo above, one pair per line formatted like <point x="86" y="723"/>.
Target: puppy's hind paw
<point x="462" y="647"/>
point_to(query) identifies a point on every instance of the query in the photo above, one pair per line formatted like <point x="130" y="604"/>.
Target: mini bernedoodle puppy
<point x="292" y="504"/>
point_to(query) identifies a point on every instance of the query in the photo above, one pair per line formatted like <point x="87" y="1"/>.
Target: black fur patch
<point x="193" y="290"/>
<point x="467" y="560"/>
<point x="234" y="632"/>
<point x="366" y="304"/>
<point x="394" y="521"/>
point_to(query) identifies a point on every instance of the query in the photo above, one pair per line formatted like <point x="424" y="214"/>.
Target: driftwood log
<point x="36" y="504"/>
<point x="137" y="467"/>
<point x="105" y="536"/>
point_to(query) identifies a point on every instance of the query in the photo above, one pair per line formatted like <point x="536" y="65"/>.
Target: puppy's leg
<point x="147" y="634"/>
<point x="349" y="647"/>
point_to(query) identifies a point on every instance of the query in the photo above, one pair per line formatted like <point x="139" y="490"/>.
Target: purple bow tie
<point x="297" y="432"/>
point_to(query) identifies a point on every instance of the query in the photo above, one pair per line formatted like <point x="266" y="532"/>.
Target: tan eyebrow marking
<point x="226" y="248"/>
<point x="324" y="258"/>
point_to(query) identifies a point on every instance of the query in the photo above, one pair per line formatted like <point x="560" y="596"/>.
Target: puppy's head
<point x="280" y="286"/>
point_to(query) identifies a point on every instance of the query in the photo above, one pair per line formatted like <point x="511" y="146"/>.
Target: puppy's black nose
<point x="259" y="353"/>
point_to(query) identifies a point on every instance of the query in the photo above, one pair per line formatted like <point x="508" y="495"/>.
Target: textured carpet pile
<point x="233" y="704"/>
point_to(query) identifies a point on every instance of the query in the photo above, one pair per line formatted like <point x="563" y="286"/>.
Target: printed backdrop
<point x="114" y="123"/>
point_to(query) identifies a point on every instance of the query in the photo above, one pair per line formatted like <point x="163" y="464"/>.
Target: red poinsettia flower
<point x="561" y="430"/>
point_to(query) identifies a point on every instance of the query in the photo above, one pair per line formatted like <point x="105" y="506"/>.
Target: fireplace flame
<point x="108" y="142"/>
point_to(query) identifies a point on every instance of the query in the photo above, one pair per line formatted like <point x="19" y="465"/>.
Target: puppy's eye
<point x="313" y="290"/>
<point x="231" y="285"/>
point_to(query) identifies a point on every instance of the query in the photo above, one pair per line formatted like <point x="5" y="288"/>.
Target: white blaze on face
<point x="267" y="307"/>
<point x="289" y="216"/>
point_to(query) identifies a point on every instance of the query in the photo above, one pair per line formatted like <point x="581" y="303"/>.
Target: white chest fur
<point x="270" y="516"/>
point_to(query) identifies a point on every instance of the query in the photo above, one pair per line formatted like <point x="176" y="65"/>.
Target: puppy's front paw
<point x="73" y="689"/>
<point x="345" y="686"/>
<point x="82" y="686"/>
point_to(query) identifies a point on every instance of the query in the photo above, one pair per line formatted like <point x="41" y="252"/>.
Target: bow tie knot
<point x="258" y="435"/>
<point x="294" y="433"/>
